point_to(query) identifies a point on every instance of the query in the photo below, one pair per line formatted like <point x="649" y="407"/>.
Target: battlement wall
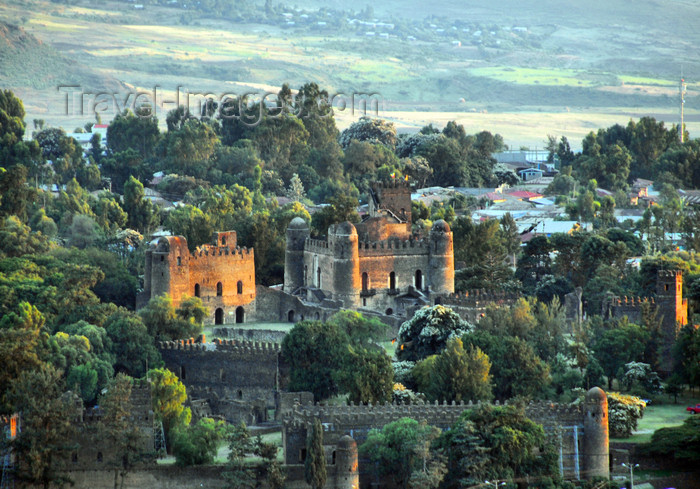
<point x="393" y="247"/>
<point x="478" y="298"/>
<point x="240" y="370"/>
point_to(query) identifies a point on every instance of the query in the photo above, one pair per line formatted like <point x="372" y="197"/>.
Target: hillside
<point x="26" y="62"/>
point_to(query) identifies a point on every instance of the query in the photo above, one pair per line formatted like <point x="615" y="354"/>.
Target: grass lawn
<point x="660" y="416"/>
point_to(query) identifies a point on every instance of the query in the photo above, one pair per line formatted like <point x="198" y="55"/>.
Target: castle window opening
<point x="219" y="316"/>
<point x="665" y="286"/>
<point x="365" y="281"/>
<point x="196" y="290"/>
<point x="222" y="375"/>
<point x="419" y="280"/>
<point x="162" y="258"/>
<point x="389" y="311"/>
<point x="302" y="455"/>
<point x="223" y="241"/>
<point x="183" y="373"/>
<point x="74" y="457"/>
<point x="392" y="281"/>
<point x="239" y="287"/>
<point x="240" y="394"/>
<point x="317" y="316"/>
<point x="306" y="272"/>
<point x="240" y="314"/>
<point x="219" y="289"/>
<point x="333" y="458"/>
<point x="99" y="456"/>
<point x="179" y="261"/>
<point x="364" y="301"/>
<point x="290" y="316"/>
<point x="318" y="277"/>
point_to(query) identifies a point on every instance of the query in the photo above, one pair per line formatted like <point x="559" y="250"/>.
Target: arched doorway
<point x="240" y="314"/>
<point x="219" y="316"/>
<point x="196" y="290"/>
<point x="290" y="316"/>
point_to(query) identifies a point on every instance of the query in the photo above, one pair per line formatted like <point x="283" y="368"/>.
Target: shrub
<point x="623" y="414"/>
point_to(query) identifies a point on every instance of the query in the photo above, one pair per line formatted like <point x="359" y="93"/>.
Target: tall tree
<point x="315" y="472"/>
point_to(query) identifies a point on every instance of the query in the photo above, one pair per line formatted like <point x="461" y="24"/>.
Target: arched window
<point x="290" y="316"/>
<point x="196" y="290"/>
<point x="419" y="280"/>
<point x="219" y="316"/>
<point x="365" y="281"/>
<point x="318" y="277"/>
<point x="223" y="241"/>
<point x="392" y="281"/>
<point x="306" y="273"/>
<point x="179" y="261"/>
<point x="240" y="314"/>
<point x="239" y="287"/>
<point x="219" y="289"/>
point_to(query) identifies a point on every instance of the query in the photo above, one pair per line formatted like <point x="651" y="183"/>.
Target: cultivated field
<point x="524" y="72"/>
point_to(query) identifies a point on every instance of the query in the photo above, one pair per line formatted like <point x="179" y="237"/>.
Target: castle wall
<point x="565" y="424"/>
<point x="94" y="450"/>
<point x="227" y="369"/>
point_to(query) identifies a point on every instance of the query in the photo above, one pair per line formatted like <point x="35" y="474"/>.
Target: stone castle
<point x="221" y="274"/>
<point x="579" y="432"/>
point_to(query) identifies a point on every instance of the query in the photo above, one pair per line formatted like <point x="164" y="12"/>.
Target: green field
<point x="661" y="416"/>
<point x="571" y="73"/>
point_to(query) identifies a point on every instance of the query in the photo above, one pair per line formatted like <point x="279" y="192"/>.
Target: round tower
<point x="347" y="475"/>
<point x="160" y="268"/>
<point x="345" y="284"/>
<point x="297" y="232"/>
<point x="595" y="435"/>
<point x="442" y="260"/>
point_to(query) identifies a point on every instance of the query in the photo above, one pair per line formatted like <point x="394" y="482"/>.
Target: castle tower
<point x="669" y="296"/>
<point x="347" y="475"/>
<point x="297" y="232"/>
<point x="345" y="283"/>
<point x="169" y="270"/>
<point x="442" y="264"/>
<point x="595" y="431"/>
<point x="394" y="196"/>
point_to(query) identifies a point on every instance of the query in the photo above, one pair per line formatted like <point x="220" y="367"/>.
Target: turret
<point x="297" y="232"/>
<point x="169" y="268"/>
<point x="346" y="284"/>
<point x="347" y="475"/>
<point x="442" y="262"/>
<point x="595" y="431"/>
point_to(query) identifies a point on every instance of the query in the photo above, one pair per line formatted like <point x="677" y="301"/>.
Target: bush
<point x="623" y="414"/>
<point x="197" y="444"/>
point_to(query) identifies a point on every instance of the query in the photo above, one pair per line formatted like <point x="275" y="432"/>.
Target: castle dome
<point x="596" y="394"/>
<point x="346" y="442"/>
<point x="440" y="226"/>
<point x="298" y="223"/>
<point x="345" y="229"/>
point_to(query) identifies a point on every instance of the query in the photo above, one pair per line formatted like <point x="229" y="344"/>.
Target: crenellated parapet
<point x="394" y="247"/>
<point x="479" y="298"/>
<point x="223" y="345"/>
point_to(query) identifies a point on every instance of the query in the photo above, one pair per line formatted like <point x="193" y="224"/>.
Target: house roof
<point x="525" y="195"/>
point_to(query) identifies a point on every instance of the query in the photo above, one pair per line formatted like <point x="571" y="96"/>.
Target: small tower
<point x="345" y="284"/>
<point x="596" y="446"/>
<point x="442" y="263"/>
<point x="669" y="297"/>
<point x="297" y="232"/>
<point x="169" y="268"/>
<point x="347" y="475"/>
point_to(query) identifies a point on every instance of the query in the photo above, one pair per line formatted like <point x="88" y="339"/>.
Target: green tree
<point x="314" y="353"/>
<point x="192" y="223"/>
<point x="143" y="215"/>
<point x="362" y="331"/>
<point x="401" y="452"/>
<point x="133" y="348"/>
<point x="164" y="322"/>
<point x="43" y="442"/>
<point x="11" y="118"/>
<point x="428" y="331"/>
<point x="240" y="474"/>
<point x="138" y="131"/>
<point x="315" y="464"/>
<point x="496" y="442"/>
<point x="169" y="396"/>
<point x="458" y="375"/>
<point x="366" y="375"/>
<point x="126" y="439"/>
<point x="198" y="444"/>
<point x="621" y="344"/>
